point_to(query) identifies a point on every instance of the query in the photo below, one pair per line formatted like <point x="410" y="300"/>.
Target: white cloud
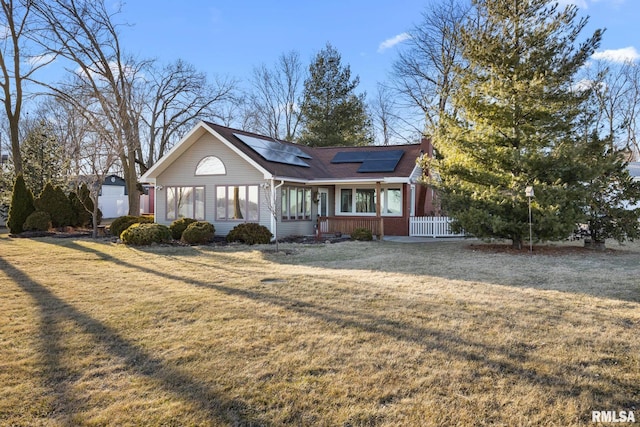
<point x="627" y="54"/>
<point x="39" y="60"/>
<point x="389" y="43"/>
<point x="582" y="4"/>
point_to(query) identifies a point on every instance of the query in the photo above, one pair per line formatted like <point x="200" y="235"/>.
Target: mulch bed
<point x="540" y="249"/>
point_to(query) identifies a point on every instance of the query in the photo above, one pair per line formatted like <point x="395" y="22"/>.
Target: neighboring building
<point x="227" y="176"/>
<point x="113" y="200"/>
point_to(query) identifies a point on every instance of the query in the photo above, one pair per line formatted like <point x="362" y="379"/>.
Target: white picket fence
<point x="431" y="226"/>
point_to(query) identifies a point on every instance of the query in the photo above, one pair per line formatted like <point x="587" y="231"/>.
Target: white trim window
<point x="296" y="203"/>
<point x="210" y="165"/>
<point x="391" y="202"/>
<point x="185" y="202"/>
<point x="363" y="200"/>
<point x="237" y="203"/>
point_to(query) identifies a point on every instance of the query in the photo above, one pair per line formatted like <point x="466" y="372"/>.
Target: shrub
<point x="146" y="234"/>
<point x="362" y="234"/>
<point x="83" y="207"/>
<point x="37" y="221"/>
<point x="198" y="233"/>
<point x="122" y="223"/>
<point x="250" y="233"/>
<point x="57" y="204"/>
<point x="21" y="206"/>
<point x="179" y="225"/>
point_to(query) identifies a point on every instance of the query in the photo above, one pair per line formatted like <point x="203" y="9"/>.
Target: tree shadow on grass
<point x="515" y="360"/>
<point x="54" y="311"/>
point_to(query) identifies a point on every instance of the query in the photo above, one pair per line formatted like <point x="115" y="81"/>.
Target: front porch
<point x="347" y="224"/>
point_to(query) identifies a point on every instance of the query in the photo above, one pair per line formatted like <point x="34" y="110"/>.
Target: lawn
<point x="347" y="334"/>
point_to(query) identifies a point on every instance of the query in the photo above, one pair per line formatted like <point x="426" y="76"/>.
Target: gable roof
<point x="315" y="165"/>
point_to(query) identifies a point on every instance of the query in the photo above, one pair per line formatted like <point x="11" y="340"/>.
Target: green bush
<point x="21" y="205"/>
<point x="146" y="234"/>
<point x="250" y="233"/>
<point x="122" y="223"/>
<point x="37" y="221"/>
<point x="198" y="233"/>
<point x="82" y="206"/>
<point x="57" y="204"/>
<point x="178" y="226"/>
<point x="362" y="234"/>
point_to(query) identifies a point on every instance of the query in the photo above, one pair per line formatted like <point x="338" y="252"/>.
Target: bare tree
<point x="424" y="74"/>
<point x="176" y="96"/>
<point x="16" y="67"/>
<point x="617" y="102"/>
<point x="82" y="32"/>
<point x="273" y="103"/>
<point x="270" y="190"/>
<point x="389" y="120"/>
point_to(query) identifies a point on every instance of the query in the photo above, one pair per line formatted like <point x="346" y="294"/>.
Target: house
<point x="227" y="176"/>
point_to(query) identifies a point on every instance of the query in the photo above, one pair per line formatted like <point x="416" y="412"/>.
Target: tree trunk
<point x="516" y="243"/>
<point x="94" y="218"/>
<point x="131" y="182"/>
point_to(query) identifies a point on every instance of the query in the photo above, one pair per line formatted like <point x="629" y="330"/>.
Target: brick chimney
<point x="426" y="147"/>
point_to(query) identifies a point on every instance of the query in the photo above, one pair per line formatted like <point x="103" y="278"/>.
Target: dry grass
<point x="375" y="334"/>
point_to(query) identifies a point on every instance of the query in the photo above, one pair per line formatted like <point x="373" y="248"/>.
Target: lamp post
<point x="529" y="193"/>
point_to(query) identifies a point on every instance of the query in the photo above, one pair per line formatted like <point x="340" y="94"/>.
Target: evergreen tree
<point x="516" y="111"/>
<point x="332" y="114"/>
<point x="21" y="206"/>
<point x="612" y="204"/>
<point x="43" y="158"/>
<point x="55" y="202"/>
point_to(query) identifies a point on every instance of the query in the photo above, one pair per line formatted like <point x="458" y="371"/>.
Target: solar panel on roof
<point x="385" y="155"/>
<point x="372" y="161"/>
<point x="275" y="151"/>
<point x="349" y="157"/>
<point x="378" y="165"/>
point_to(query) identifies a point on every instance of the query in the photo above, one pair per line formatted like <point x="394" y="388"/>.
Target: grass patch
<point x="357" y="333"/>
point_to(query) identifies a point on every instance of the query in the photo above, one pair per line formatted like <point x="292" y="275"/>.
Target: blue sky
<point x="231" y="37"/>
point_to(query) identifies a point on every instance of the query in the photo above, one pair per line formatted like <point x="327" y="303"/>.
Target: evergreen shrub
<point x="250" y="233"/>
<point x="37" y="221"/>
<point x="362" y="234"/>
<point x="53" y="201"/>
<point x="145" y="234"/>
<point x="198" y="233"/>
<point x="122" y="223"/>
<point x="178" y="226"/>
<point x="21" y="205"/>
<point x="82" y="206"/>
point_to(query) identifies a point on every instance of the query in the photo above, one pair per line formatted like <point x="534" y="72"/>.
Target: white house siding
<point x="296" y="228"/>
<point x="182" y="173"/>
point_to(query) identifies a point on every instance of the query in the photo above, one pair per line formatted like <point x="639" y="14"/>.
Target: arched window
<point x="210" y="165"/>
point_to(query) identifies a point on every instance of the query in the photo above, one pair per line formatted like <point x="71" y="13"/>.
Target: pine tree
<point x="43" y="158"/>
<point x="612" y="204"/>
<point x="515" y="123"/>
<point x="332" y="114"/>
<point x="21" y="206"/>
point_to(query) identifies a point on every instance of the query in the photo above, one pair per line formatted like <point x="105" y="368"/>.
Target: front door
<point x="323" y="202"/>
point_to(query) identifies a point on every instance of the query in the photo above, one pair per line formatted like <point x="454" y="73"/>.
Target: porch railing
<point x="347" y="224"/>
<point x="431" y="226"/>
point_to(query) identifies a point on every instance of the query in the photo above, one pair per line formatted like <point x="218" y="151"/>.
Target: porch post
<point x="379" y="212"/>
